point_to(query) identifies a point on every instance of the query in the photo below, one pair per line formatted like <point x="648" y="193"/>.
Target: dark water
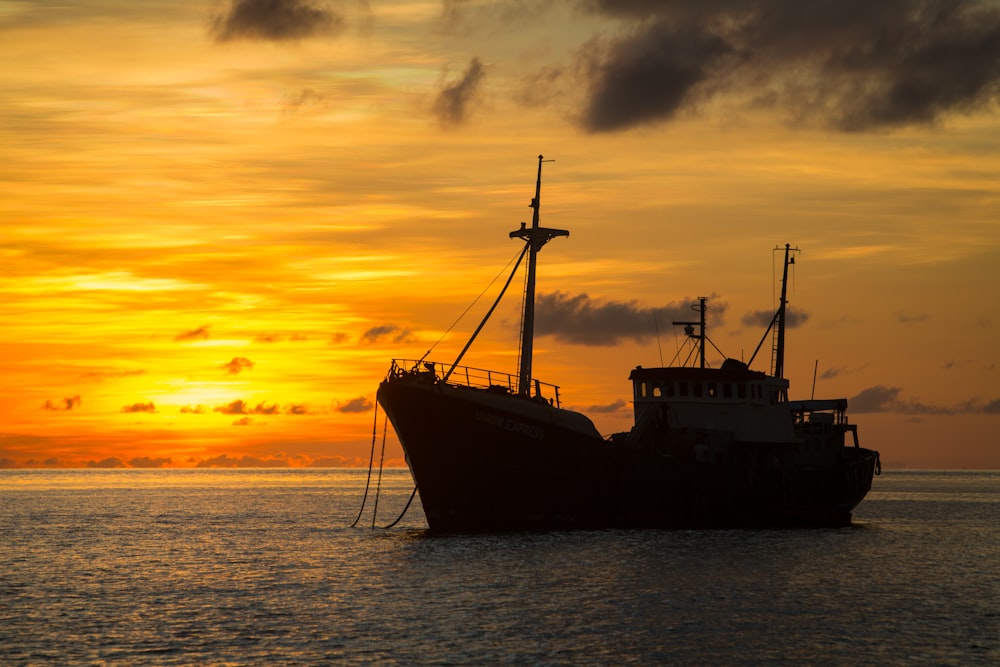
<point x="199" y="567"/>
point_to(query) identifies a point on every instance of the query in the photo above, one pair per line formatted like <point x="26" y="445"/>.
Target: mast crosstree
<point x="535" y="237"/>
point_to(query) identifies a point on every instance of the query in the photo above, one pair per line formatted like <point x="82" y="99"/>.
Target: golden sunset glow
<point x="221" y="223"/>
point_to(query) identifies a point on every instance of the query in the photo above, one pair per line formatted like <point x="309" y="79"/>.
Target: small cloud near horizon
<point x="355" y="405"/>
<point x="236" y="365"/>
<point x="140" y="407"/>
<point x="201" y="333"/>
<point x="63" y="405"/>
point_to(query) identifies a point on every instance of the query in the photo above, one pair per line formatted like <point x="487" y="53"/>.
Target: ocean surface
<point x="262" y="567"/>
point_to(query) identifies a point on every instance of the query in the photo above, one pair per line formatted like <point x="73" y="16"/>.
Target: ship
<point x="709" y="447"/>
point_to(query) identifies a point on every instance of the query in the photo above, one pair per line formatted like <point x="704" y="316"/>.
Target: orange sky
<point x="221" y="220"/>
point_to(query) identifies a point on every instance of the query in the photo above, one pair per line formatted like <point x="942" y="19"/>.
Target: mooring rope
<point x="378" y="485"/>
<point x="403" y="513"/>
<point x="371" y="461"/>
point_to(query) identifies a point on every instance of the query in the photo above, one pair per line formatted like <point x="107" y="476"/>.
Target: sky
<point x="222" y="219"/>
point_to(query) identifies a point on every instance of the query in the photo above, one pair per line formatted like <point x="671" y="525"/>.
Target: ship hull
<point x="491" y="461"/>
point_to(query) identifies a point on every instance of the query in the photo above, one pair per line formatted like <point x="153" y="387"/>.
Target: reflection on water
<point x="260" y="567"/>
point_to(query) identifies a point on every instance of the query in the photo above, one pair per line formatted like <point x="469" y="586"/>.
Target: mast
<point x="779" y="348"/>
<point x="700" y="336"/>
<point x="535" y="237"/>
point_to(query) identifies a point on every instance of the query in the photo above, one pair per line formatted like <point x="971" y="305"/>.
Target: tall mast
<point x="535" y="237"/>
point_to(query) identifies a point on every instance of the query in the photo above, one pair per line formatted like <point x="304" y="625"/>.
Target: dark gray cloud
<point x="585" y="321"/>
<point x="236" y="364"/>
<point x="276" y="20"/>
<point x="854" y="64"/>
<point x="452" y="102"/>
<point x="762" y="318"/>
<point x="888" y="399"/>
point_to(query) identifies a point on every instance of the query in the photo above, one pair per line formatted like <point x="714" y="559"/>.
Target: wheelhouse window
<point x="712" y="390"/>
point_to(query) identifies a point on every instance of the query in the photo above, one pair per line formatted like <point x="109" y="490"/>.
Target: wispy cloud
<point x="201" y="333"/>
<point x="763" y="318"/>
<point x="911" y="318"/>
<point x="452" y="102"/>
<point x="63" y="404"/>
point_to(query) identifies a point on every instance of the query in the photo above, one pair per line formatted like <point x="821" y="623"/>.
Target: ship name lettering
<point x="518" y="427"/>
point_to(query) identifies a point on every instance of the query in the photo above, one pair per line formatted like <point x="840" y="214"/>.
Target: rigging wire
<point x="489" y="313"/>
<point x="469" y="307"/>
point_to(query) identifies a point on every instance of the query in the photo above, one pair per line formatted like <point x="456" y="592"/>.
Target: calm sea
<point x="238" y="567"/>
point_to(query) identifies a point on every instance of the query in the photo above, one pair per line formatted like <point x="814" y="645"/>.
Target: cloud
<point x="140" y="407"/>
<point x="762" y="318"/>
<point x="616" y="406"/>
<point x="7" y="463"/>
<point x="193" y="410"/>
<point x="110" y="462"/>
<point x="906" y="318"/>
<point x="237" y="364"/>
<point x="275" y="20"/>
<point x="453" y="100"/>
<point x="63" y="405"/>
<point x="241" y="407"/>
<point x="110" y="374"/>
<point x="856" y="65"/>
<point x="585" y="321"/>
<point x="887" y="399"/>
<point x="296" y="409"/>
<point x="226" y="461"/>
<point x="359" y="404"/>
<point x="337" y="462"/>
<point x="201" y="333"/>
<point x="147" y="462"/>
<point x="305" y="97"/>
<point x="386" y="332"/>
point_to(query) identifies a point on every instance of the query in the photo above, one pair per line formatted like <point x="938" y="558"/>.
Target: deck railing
<point x="467" y="376"/>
